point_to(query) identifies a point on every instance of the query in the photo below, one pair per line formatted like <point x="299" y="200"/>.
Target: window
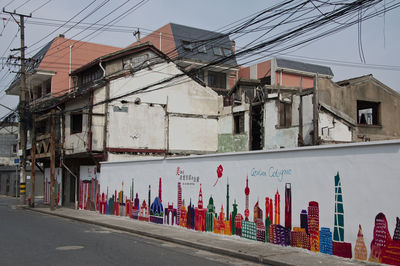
<point x="217" y="80"/>
<point x="227" y="52"/>
<point x="228" y="100"/>
<point x="14" y="148"/>
<point x="200" y="75"/>
<point x="238" y="123"/>
<point x="38" y="90"/>
<point x="367" y="113"/>
<point x="48" y="86"/>
<point x="285" y="114"/>
<point x="76" y="123"/>
<point x="202" y="49"/>
<point x="217" y="51"/>
<point x="187" y="45"/>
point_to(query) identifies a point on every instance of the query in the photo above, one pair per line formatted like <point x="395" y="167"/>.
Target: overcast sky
<point x="380" y="36"/>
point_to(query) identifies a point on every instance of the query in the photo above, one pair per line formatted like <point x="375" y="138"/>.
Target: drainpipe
<point x="70" y="61"/>
<point x="102" y="68"/>
<point x="90" y="114"/>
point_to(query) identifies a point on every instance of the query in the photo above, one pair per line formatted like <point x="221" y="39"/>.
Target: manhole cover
<point x="69" y="247"/>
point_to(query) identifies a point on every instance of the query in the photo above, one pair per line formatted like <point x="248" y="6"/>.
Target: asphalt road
<point x="30" y="238"/>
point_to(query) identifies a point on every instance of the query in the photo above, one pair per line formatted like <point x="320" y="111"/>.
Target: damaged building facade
<point x="177" y="96"/>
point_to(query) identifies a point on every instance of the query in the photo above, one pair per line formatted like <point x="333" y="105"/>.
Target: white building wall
<point x="193" y="134"/>
<point x="77" y="142"/>
<point x="141" y="126"/>
<point x="98" y="119"/>
<point x="332" y="129"/>
<point x="192" y="110"/>
<point x="275" y="137"/>
<point x="308" y="126"/>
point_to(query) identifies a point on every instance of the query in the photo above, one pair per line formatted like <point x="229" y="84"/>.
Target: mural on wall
<point x="58" y="186"/>
<point x="248" y="208"/>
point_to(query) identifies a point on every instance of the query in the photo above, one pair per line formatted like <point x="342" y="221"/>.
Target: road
<point x="30" y="238"/>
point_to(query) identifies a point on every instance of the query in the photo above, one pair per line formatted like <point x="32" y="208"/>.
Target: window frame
<point x="285" y="114"/>
<point x="74" y="129"/>
<point x="376" y="110"/>
<point x="238" y="123"/>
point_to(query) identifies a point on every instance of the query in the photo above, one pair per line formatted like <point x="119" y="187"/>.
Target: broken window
<point x="368" y="113"/>
<point x="238" y="123"/>
<point x="76" y="123"/>
<point x="48" y="86"/>
<point x="187" y="45"/>
<point x="285" y="114"/>
<point x="216" y="80"/>
<point x="218" y="51"/>
<point x="202" y="49"/>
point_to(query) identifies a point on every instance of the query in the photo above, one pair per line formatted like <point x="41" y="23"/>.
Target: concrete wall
<point x="275" y="137"/>
<point x="344" y="98"/>
<point x="368" y="175"/>
<point x="332" y="129"/>
<point x="136" y="126"/>
<point x="180" y="115"/>
<point x="227" y="140"/>
<point x="7" y="179"/>
<point x="77" y="142"/>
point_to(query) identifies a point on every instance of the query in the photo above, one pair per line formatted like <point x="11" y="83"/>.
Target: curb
<point x="217" y="250"/>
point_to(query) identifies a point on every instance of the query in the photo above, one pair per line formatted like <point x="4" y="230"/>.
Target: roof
<point x="118" y="54"/>
<point x="367" y="78"/>
<point x="198" y="37"/>
<point x="304" y="67"/>
<point x="170" y="38"/>
<point x="55" y="57"/>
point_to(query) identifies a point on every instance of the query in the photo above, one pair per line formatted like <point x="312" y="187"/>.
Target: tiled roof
<point x="197" y="37"/>
<point x="305" y="67"/>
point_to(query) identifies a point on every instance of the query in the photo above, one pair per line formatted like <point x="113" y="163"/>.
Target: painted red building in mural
<point x="247" y="192"/>
<point x="277" y="208"/>
<point x="313" y="225"/>
<point x="200" y="214"/>
<point x="288" y="206"/>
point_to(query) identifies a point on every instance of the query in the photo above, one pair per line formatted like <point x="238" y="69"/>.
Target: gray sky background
<point x="380" y="35"/>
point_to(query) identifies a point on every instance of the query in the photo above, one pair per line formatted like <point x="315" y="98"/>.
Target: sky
<point x="380" y="36"/>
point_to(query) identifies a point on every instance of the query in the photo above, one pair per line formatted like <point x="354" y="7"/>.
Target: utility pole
<point x="52" y="163"/>
<point x="22" y="105"/>
<point x="33" y="160"/>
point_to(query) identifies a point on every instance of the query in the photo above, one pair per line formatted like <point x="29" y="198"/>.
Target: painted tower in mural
<point x="288" y="206"/>
<point x="313" y="225"/>
<point x="179" y="200"/>
<point x="159" y="190"/>
<point x="247" y="193"/>
<point x="338" y="232"/>
<point x="277" y="208"/>
<point x="227" y="200"/>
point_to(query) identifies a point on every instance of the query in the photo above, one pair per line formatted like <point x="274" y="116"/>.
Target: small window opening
<point x="76" y="123"/>
<point x="367" y="113"/>
<point x="238" y="120"/>
<point x="202" y="49"/>
<point x="285" y="114"/>
<point x="187" y="45"/>
<point x="217" y="51"/>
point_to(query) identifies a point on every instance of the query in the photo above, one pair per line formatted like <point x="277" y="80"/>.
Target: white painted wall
<point x="58" y="180"/>
<point x="193" y="134"/>
<point x="308" y="126"/>
<point x="98" y="119"/>
<point x="275" y="137"/>
<point x="141" y="127"/>
<point x="368" y="173"/>
<point x="332" y="129"/>
<point x="77" y="142"/>
<point x="192" y="109"/>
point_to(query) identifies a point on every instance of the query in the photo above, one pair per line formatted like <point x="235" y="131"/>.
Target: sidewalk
<point x="226" y="245"/>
